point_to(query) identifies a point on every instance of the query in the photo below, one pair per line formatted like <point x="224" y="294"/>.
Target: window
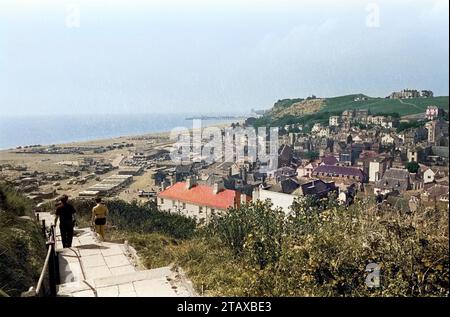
<point x="162" y="200"/>
<point x="184" y="205"/>
<point x="213" y="212"/>
<point x="174" y="203"/>
<point x="200" y="209"/>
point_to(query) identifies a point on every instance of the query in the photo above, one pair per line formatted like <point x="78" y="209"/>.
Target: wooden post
<point x="55" y="255"/>
<point x="52" y="269"/>
<point x="43" y="227"/>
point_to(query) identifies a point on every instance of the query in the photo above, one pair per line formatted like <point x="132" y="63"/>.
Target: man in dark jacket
<point x="65" y="212"/>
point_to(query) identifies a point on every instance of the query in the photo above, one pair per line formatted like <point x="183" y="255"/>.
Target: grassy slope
<point x="336" y="105"/>
<point x="22" y="246"/>
<point x="379" y="105"/>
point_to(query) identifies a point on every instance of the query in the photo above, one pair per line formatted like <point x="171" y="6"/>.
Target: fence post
<point x="56" y="259"/>
<point x="43" y="227"/>
<point x="37" y="217"/>
<point x="52" y="269"/>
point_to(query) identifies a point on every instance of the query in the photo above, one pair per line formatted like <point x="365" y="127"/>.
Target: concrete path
<point x="92" y="268"/>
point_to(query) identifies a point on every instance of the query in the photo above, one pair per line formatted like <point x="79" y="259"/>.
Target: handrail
<point x="50" y="266"/>
<point x="44" y="269"/>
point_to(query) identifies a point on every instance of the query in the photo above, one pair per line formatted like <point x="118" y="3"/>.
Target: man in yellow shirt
<point x="99" y="213"/>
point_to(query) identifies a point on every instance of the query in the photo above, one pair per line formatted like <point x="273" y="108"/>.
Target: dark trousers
<point x="66" y="234"/>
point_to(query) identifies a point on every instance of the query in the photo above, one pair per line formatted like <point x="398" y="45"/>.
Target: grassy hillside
<point x="335" y="106"/>
<point x="22" y="246"/>
<point x="256" y="251"/>
<point x="380" y="105"/>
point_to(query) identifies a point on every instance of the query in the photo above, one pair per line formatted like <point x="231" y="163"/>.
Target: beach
<point x="17" y="164"/>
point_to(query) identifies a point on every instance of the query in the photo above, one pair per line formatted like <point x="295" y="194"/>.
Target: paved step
<point x="92" y="268"/>
<point x="160" y="282"/>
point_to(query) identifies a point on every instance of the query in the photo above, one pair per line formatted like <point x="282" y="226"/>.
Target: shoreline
<point x="109" y="140"/>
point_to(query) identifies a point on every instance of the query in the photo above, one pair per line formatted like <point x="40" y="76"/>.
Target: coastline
<point x="118" y="139"/>
<point x="12" y="161"/>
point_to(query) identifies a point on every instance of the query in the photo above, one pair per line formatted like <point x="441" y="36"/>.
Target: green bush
<point x="138" y="218"/>
<point x="22" y="245"/>
<point x="253" y="230"/>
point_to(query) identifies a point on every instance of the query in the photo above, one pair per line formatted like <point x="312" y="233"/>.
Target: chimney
<point x="218" y="187"/>
<point x="255" y="193"/>
<point x="243" y="199"/>
<point x="237" y="199"/>
<point x="191" y="181"/>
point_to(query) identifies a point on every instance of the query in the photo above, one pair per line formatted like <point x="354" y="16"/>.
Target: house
<point x="396" y="180"/>
<point x="316" y="128"/>
<point x="340" y="173"/>
<point x="428" y="176"/>
<point x="200" y="202"/>
<point x="284" y="200"/>
<point x="306" y="171"/>
<point x="183" y="171"/>
<point x="317" y="189"/>
<point x="405" y="94"/>
<point x="377" y="167"/>
<point x="387" y="139"/>
<point x="437" y="130"/>
<point x="284" y="173"/>
<point x="334" y="121"/>
<point x="275" y="196"/>
<point x="414" y="135"/>
<point x="345" y="158"/>
<point x="415" y="154"/>
<point x="285" y="155"/>
<point x="434" y="112"/>
<point x="324" y="132"/>
<point x="347" y="115"/>
<point x="329" y="160"/>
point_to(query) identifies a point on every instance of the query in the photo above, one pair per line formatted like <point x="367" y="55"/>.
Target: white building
<point x="377" y="167"/>
<point x="334" y="121"/>
<point x="387" y="139"/>
<point x="428" y="176"/>
<point x="279" y="200"/>
<point x="306" y="171"/>
<point x="316" y="128"/>
<point x="200" y="202"/>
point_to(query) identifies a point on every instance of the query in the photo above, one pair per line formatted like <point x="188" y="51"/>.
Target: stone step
<point x="149" y="283"/>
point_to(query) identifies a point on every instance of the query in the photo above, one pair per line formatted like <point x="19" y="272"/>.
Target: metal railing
<point x="49" y="277"/>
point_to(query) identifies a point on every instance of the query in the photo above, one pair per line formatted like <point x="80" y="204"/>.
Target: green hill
<point x="335" y="106"/>
<point x="383" y="105"/>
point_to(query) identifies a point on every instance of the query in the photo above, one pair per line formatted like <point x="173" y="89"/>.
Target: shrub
<point x="254" y="230"/>
<point x="139" y="217"/>
<point x="22" y="246"/>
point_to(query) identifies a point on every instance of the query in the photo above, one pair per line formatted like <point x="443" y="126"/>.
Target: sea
<point x="56" y="129"/>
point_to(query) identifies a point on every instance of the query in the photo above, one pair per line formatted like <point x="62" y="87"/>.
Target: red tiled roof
<point x="201" y="195"/>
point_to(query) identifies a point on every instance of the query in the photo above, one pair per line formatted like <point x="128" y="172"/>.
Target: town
<point x="398" y="161"/>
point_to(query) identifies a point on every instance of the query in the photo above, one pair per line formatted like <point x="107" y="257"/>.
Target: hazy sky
<point x="214" y="56"/>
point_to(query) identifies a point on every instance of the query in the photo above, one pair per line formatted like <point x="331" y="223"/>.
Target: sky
<point x="221" y="56"/>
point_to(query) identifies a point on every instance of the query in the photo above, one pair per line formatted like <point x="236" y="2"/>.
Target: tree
<point x="311" y="155"/>
<point x="412" y="167"/>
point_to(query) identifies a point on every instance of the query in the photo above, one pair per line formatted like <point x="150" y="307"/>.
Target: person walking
<point x="65" y="212"/>
<point x="99" y="213"/>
